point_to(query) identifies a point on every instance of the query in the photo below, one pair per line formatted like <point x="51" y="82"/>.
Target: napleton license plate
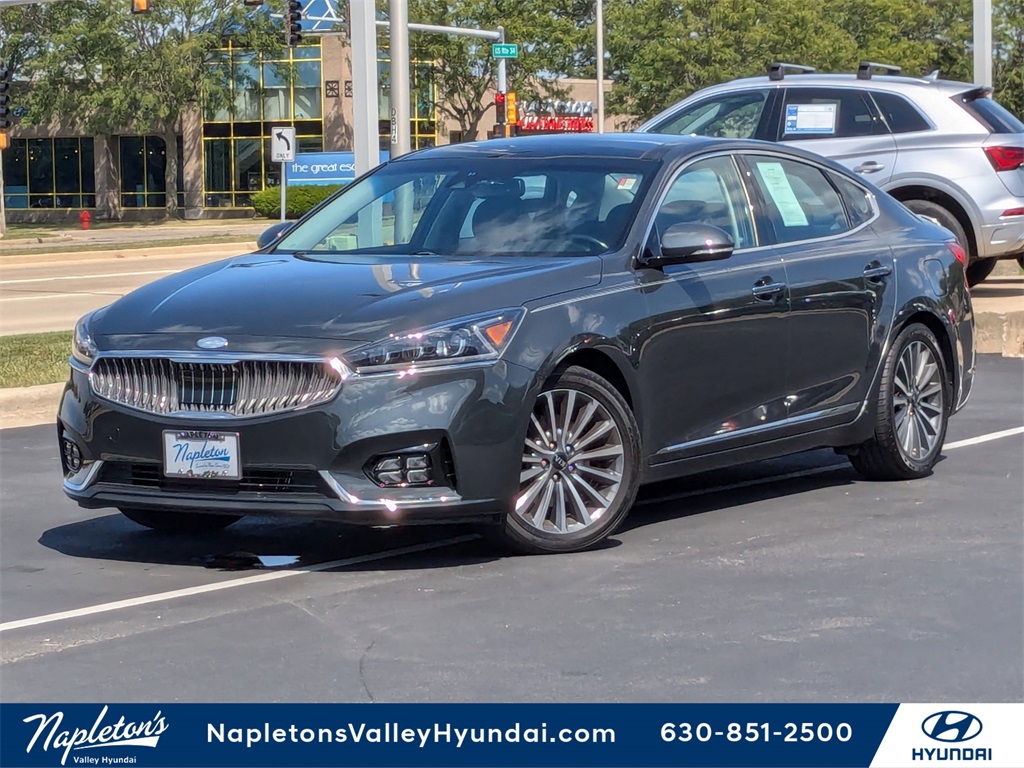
<point x="202" y="454"/>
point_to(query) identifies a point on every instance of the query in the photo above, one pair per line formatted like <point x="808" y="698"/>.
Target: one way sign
<point x="282" y="145"/>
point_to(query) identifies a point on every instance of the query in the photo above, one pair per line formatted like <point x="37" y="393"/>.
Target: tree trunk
<point x="108" y="196"/>
<point x="170" y="138"/>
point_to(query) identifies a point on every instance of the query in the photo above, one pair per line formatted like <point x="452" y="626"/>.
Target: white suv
<point x="945" y="149"/>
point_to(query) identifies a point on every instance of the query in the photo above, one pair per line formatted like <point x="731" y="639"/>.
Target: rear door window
<point x="827" y="113"/>
<point x="799" y="202"/>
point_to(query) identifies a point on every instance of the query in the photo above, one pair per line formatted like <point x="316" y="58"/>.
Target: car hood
<point x="356" y="298"/>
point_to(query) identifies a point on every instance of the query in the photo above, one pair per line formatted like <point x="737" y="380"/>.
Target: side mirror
<point x="272" y="234"/>
<point x="688" y="243"/>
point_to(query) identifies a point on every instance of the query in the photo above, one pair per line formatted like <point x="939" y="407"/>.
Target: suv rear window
<point x="990" y="113"/>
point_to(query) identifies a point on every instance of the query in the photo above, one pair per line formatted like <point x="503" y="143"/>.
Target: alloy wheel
<point x="573" y="462"/>
<point x="918" y="407"/>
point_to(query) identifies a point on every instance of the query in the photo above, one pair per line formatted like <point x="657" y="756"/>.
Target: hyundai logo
<point x="951" y="726"/>
<point x="212" y="342"/>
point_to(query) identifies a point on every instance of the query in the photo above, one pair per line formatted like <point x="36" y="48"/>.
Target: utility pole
<point x="365" y="107"/>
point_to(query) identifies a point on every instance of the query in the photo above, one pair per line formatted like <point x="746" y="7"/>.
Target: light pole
<point x="599" y="14"/>
<point x="983" y="42"/>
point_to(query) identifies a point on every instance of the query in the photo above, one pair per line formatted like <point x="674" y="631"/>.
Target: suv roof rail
<point x="865" y="69"/>
<point x="777" y="71"/>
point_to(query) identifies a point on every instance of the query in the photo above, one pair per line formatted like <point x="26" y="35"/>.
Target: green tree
<point x="95" y="64"/>
<point x="548" y="32"/>
<point x="1008" y="67"/>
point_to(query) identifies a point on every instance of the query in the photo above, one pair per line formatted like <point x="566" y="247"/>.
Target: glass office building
<point x="224" y="153"/>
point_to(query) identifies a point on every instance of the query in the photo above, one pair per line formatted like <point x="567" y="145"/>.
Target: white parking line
<point x="22" y="281"/>
<point x="220" y="586"/>
<point x="983" y="438"/>
<point x="265" y="577"/>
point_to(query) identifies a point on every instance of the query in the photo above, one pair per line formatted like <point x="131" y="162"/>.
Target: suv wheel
<point x="976" y="270"/>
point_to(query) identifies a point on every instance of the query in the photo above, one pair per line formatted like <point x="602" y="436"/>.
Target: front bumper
<point x="313" y="462"/>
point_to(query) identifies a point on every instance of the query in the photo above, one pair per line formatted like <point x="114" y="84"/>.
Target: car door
<point x="840" y="278"/>
<point x="713" y="357"/>
<point x="841" y="124"/>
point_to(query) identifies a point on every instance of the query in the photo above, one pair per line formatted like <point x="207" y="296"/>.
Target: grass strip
<point x="34" y="358"/>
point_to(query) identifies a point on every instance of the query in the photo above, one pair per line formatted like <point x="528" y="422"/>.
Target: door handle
<point x="766" y="289"/>
<point x="875" y="271"/>
<point x="870" y="166"/>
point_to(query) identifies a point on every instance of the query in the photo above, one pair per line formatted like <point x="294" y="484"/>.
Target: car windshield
<point x="479" y="206"/>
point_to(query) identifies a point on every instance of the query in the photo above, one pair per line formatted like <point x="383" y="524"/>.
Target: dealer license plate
<point x="202" y="454"/>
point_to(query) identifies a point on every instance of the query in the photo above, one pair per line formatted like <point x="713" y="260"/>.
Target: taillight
<point x="1005" y="158"/>
<point x="957" y="250"/>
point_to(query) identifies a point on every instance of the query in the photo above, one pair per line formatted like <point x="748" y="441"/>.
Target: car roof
<point x="880" y="82"/>
<point x="640" y="146"/>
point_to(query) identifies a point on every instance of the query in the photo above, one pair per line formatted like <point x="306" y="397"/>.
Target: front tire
<point x="912" y="410"/>
<point x="179" y="522"/>
<point x="580" y="466"/>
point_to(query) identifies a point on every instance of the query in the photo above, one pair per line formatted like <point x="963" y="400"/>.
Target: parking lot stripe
<point x="983" y="438"/>
<point x="222" y="585"/>
<point x="398" y="552"/>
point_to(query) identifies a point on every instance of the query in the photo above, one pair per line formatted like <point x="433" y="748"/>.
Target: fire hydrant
<point x="86" y="218"/>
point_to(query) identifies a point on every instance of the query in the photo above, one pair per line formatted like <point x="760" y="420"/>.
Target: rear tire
<point x="950" y="222"/>
<point x="580" y="468"/>
<point x="179" y="522"/>
<point x="979" y="269"/>
<point x="911" y="413"/>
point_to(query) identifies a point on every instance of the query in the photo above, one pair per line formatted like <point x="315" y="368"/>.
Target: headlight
<point x="83" y="348"/>
<point x="466" y="340"/>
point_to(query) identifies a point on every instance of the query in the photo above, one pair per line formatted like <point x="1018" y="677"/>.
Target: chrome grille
<point x="243" y="388"/>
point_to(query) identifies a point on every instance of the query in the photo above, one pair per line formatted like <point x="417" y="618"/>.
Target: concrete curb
<point x="1001" y="333"/>
<point x="28" y="406"/>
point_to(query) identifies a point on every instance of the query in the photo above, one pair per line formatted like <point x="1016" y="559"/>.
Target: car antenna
<point x="933" y="75"/>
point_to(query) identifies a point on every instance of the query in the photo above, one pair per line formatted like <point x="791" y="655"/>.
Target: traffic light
<point x="511" y="110"/>
<point x="499" y="107"/>
<point x="141" y="6"/>
<point x="293" y="22"/>
<point x="5" y="97"/>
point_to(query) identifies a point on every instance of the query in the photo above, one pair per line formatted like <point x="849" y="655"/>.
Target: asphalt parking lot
<point x="790" y="580"/>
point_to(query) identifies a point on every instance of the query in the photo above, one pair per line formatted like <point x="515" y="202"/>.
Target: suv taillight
<point x="1005" y="158"/>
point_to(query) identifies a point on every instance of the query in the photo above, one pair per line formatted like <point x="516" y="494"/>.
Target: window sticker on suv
<point x="811" y="118"/>
<point x="777" y="184"/>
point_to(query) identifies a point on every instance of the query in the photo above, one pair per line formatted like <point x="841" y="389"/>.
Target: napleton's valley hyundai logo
<point x="51" y="734"/>
<point x="951" y="726"/>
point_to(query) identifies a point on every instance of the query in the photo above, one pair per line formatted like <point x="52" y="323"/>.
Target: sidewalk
<point x="42" y="240"/>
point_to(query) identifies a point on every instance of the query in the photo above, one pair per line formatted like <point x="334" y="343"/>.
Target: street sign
<point x="282" y="145"/>
<point x="505" y="50"/>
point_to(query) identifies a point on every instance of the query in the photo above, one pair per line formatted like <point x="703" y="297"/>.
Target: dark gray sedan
<point x="520" y="333"/>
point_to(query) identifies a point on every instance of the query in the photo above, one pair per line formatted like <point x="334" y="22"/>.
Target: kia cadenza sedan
<point x="518" y="334"/>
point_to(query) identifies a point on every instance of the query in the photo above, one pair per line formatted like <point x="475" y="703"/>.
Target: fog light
<point x="402" y="469"/>
<point x="72" y="456"/>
